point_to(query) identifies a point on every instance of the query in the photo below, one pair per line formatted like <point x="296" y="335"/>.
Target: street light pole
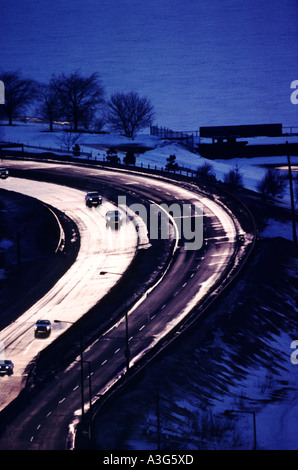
<point x="82" y="364"/>
<point x="127" y="350"/>
<point x="82" y="374"/>
<point x="89" y="386"/>
<point x="292" y="196"/>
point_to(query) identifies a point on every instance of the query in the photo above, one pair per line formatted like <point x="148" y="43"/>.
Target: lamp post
<point x="82" y="366"/>
<point x="127" y="350"/>
<point x="90" y="388"/>
<point x="292" y="196"/>
<point x="232" y="412"/>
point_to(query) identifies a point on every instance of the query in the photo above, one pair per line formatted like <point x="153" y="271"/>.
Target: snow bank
<point x="252" y="169"/>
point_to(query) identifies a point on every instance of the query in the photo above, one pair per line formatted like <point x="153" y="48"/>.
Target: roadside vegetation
<point x="76" y="100"/>
<point x="273" y="184"/>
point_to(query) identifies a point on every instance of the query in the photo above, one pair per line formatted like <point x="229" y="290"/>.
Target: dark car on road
<point x="6" y="367"/>
<point x="4" y="173"/>
<point x="93" y="199"/>
<point x="42" y="328"/>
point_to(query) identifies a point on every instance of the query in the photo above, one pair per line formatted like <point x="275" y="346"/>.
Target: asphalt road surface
<point x="100" y="249"/>
<point x="49" y="420"/>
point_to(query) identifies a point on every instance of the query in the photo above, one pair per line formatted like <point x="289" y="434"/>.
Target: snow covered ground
<point x="36" y="134"/>
<point x="252" y="169"/>
<point x="225" y="377"/>
<point x="236" y="364"/>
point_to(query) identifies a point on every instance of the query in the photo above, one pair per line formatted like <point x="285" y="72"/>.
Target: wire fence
<point x="40" y="147"/>
<point x="51" y="153"/>
<point x="165" y="133"/>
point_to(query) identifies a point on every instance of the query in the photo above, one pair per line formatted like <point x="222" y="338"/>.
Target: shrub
<point x="206" y="173"/>
<point x="273" y="184"/>
<point x="76" y="150"/>
<point x="172" y="164"/>
<point x="234" y="178"/>
<point x="129" y="158"/>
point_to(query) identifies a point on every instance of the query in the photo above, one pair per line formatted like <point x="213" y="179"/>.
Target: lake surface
<point x="200" y="62"/>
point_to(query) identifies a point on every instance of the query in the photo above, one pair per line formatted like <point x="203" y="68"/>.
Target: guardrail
<point x="10" y="145"/>
<point x="61" y="240"/>
<point x="222" y="286"/>
<point x="68" y="158"/>
<point x="231" y="274"/>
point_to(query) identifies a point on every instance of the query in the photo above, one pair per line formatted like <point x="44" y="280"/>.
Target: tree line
<point x="76" y="99"/>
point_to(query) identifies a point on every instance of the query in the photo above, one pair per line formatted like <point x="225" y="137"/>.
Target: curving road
<point x="188" y="278"/>
<point x="100" y="249"/>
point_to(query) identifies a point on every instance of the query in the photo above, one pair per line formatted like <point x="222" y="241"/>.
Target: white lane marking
<point x="28" y="347"/>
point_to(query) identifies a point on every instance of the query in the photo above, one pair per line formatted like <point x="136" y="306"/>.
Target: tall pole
<point x="81" y="361"/>
<point x="82" y="374"/>
<point x="90" y="388"/>
<point x="292" y="197"/>
<point x="127" y="351"/>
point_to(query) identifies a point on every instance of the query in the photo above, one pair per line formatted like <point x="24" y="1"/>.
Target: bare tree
<point x="19" y="94"/>
<point x="68" y="139"/>
<point x="78" y="97"/>
<point x="48" y="107"/>
<point x="129" y="113"/>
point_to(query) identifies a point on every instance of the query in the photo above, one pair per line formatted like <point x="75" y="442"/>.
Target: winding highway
<point x="184" y="278"/>
<point x="65" y="301"/>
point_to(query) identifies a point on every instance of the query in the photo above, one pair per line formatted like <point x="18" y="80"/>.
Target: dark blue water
<point x="201" y="62"/>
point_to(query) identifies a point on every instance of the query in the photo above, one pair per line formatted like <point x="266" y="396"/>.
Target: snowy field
<point x="239" y="362"/>
<point x="252" y="169"/>
<point x="201" y="64"/>
<point x="222" y="380"/>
